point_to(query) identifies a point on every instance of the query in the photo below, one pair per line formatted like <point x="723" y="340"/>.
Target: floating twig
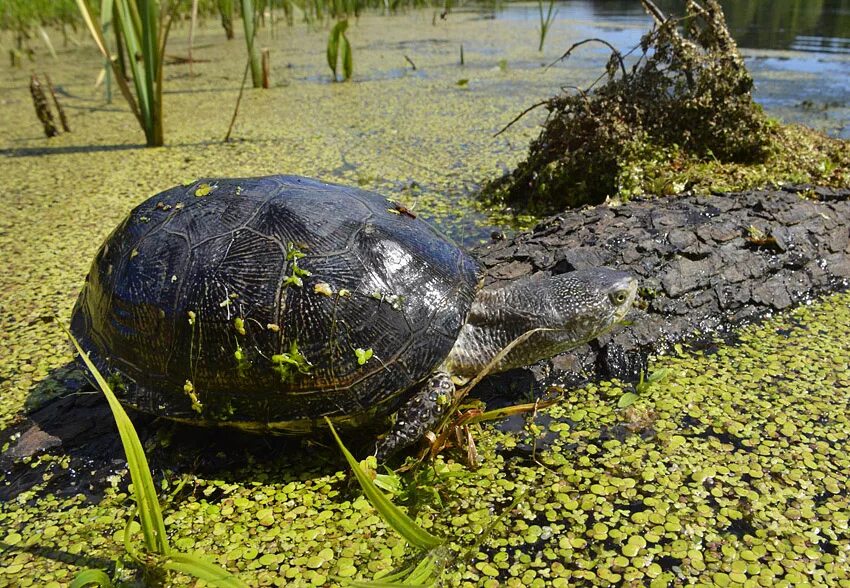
<point x="62" y="118"/>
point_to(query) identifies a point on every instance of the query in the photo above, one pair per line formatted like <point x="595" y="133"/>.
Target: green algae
<point x="731" y="471"/>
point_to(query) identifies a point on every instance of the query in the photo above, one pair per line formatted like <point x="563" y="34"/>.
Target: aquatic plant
<point x="159" y="556"/>
<point x="338" y="42"/>
<point x="225" y="9"/>
<point x="23" y="17"/>
<point x="427" y="566"/>
<point x="545" y="22"/>
<point x="642" y="387"/>
<point x="141" y="32"/>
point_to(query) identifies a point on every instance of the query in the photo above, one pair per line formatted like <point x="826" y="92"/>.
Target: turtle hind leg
<point x="418" y="415"/>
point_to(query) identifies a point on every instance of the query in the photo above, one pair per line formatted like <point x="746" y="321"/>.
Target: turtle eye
<point x="618" y="297"/>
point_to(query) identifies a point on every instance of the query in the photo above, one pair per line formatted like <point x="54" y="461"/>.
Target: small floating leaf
<point x="363" y="355"/>
<point x="292" y="252"/>
<point x="323" y="288"/>
<point x="627" y="399"/>
<point x="297" y="271"/>
<point x="203" y="190"/>
<point x="658" y="375"/>
<point x="462" y="82"/>
<point x="239" y="325"/>
<point x="273" y="327"/>
<point x="284" y="362"/>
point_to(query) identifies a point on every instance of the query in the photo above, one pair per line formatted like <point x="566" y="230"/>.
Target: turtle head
<point x="540" y="317"/>
<point x="566" y="310"/>
<point x="586" y="303"/>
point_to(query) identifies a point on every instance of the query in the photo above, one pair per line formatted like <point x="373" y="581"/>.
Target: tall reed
<point x="545" y="22"/>
<point x="141" y="32"/>
<point x="249" y="22"/>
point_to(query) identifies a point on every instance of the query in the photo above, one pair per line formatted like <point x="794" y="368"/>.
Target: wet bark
<point x="706" y="264"/>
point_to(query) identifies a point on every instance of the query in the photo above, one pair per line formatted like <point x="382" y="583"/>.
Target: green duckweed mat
<point x="731" y="471"/>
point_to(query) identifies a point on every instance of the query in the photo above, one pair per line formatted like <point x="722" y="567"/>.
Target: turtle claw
<point x="417" y="416"/>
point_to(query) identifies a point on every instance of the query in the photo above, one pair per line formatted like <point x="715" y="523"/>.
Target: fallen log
<point x="707" y="264"/>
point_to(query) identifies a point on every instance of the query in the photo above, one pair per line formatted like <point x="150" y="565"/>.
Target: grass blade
<point x="347" y="59"/>
<point x="393" y="515"/>
<point x="198" y="567"/>
<point x="250" y="25"/>
<point x="333" y="45"/>
<point x="89" y="578"/>
<point x="144" y="491"/>
<point x="150" y="57"/>
<point x="46" y="39"/>
<point x="131" y="39"/>
<point x="97" y="35"/>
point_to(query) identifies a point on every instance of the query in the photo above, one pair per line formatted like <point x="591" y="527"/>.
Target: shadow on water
<point x="74" y="149"/>
<point x="71" y="421"/>
<point x="79" y="560"/>
<point x="67" y="419"/>
<point x="65" y="150"/>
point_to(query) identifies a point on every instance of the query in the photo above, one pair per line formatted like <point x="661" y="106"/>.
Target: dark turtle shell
<point x="271" y="302"/>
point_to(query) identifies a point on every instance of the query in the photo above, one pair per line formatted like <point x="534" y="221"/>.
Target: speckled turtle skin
<point x="160" y="304"/>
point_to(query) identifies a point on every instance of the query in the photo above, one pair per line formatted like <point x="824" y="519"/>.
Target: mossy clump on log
<point x="682" y="116"/>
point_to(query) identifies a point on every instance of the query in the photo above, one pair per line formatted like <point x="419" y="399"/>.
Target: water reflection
<point x="821" y="26"/>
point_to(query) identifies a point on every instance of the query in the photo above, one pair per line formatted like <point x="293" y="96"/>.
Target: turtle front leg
<point x="418" y="415"/>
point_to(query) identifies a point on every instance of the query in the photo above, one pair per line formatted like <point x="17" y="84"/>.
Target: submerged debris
<point x="686" y="102"/>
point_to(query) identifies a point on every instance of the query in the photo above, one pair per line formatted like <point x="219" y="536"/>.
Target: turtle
<point x="270" y="303"/>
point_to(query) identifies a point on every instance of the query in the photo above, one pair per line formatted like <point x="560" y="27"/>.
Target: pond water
<point x="797" y="51"/>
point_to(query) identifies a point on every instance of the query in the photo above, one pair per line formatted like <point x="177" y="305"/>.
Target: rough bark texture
<point x="706" y="264"/>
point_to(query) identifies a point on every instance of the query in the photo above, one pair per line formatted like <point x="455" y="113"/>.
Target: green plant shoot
<point x="393" y="515"/>
<point x="147" y="503"/>
<point x="545" y="22"/>
<point x="139" y="24"/>
<point x="338" y="46"/>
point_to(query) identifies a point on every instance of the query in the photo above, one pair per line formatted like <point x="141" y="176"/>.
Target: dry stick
<point x="62" y="118"/>
<point x="42" y="109"/>
<point x="520" y="115"/>
<point x="238" y="100"/>
<point x="603" y="41"/>
<point x="266" y="63"/>
<point x="192" y="33"/>
<point x="410" y="61"/>
<point x="653" y="10"/>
